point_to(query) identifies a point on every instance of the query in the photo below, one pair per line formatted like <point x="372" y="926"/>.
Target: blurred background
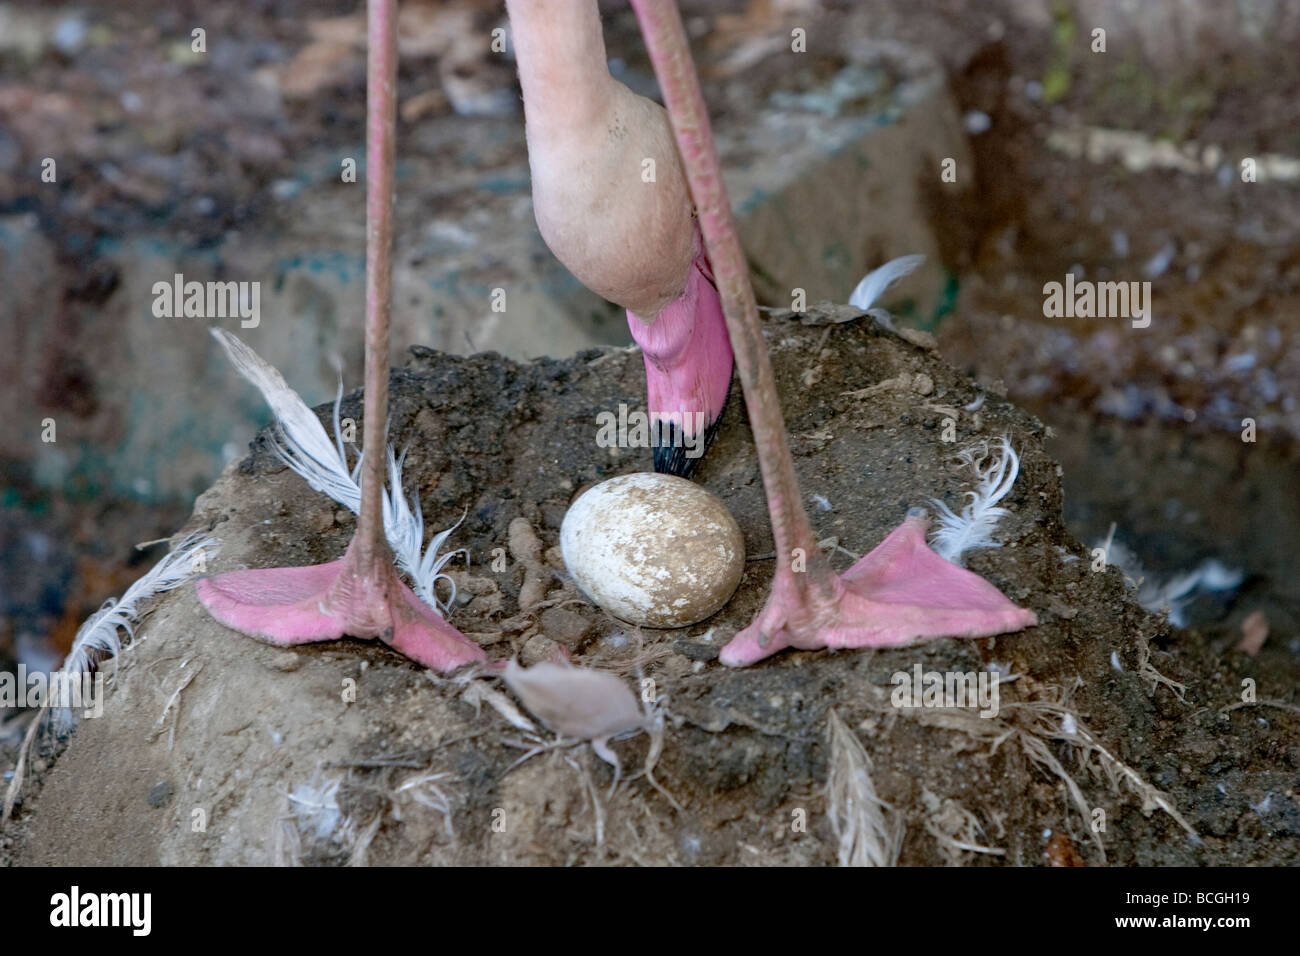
<point x="226" y="163"/>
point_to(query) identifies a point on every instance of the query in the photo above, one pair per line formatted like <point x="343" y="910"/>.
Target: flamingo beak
<point x="688" y="366"/>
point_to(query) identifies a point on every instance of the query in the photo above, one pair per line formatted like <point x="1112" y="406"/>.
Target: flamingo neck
<point x="560" y="49"/>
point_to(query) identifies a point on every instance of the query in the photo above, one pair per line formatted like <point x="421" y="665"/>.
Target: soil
<point x="419" y="774"/>
<point x="1141" y="441"/>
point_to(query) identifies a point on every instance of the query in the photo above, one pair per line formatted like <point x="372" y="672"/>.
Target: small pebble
<point x="160" y="794"/>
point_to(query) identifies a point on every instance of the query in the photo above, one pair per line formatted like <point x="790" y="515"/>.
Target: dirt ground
<point x="1144" y="427"/>
<point x="282" y="769"/>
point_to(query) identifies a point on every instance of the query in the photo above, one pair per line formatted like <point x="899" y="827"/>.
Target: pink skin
<point x="361" y="594"/>
<point x="633" y="242"/>
<point x="324" y="602"/>
<point x="899" y="593"/>
<point x="687" y="353"/>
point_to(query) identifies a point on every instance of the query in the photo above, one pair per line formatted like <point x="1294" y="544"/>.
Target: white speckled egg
<point x="653" y="550"/>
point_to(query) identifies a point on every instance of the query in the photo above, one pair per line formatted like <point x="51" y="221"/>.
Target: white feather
<point x="302" y="443"/>
<point x="1174" y="594"/>
<point x="317" y="808"/>
<point x="299" y="438"/>
<point x="98" y="636"/>
<point x="996" y="470"/>
<point x="576" y="702"/>
<point x="404" y="524"/>
<point x="98" y="639"/>
<point x="874" y="283"/>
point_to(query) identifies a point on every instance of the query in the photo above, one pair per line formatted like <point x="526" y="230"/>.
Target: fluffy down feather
<point x="956" y="533"/>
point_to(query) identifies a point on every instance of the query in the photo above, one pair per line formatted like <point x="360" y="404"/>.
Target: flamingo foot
<point x="324" y="602"/>
<point x="688" y="364"/>
<point x="900" y="593"/>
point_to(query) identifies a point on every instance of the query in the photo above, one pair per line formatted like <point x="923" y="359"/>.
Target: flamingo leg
<point x="361" y="594"/>
<point x="899" y="593"/>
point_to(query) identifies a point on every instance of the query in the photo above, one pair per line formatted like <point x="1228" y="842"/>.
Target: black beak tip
<point x="671" y="457"/>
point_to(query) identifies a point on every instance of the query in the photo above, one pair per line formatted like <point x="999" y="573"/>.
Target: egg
<point x="653" y="550"/>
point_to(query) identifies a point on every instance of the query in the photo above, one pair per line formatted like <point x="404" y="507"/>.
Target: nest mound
<point x="215" y="749"/>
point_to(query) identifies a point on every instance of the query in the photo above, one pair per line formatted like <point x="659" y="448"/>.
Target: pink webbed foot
<point x="688" y="365"/>
<point x="900" y="593"/>
<point x="324" y="602"/>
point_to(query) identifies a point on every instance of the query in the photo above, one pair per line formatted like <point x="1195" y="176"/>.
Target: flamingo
<point x="684" y="272"/>
<point x="612" y="202"/>
<point x="586" y="136"/>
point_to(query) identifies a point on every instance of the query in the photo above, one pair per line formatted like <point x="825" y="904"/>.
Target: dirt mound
<point x="216" y="749"/>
